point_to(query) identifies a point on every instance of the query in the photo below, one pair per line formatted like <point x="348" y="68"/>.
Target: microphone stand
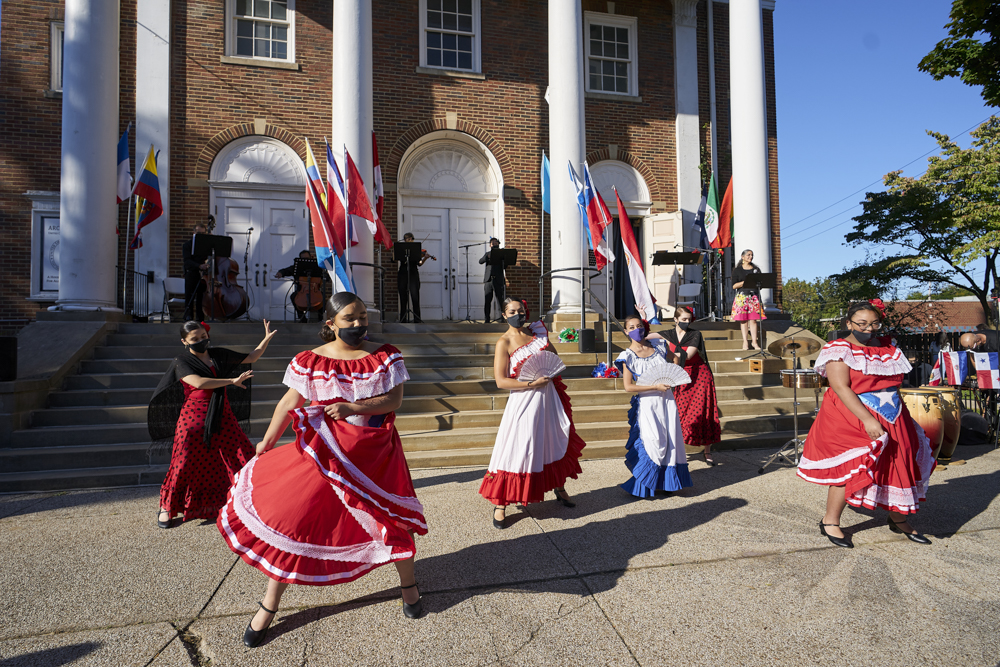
<point x="246" y="277"/>
<point x="468" y="302"/>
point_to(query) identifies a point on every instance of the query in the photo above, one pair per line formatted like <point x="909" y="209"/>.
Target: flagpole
<point x="128" y="228"/>
<point x="541" y="249"/>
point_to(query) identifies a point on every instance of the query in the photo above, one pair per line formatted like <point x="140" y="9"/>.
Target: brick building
<point x="463" y="96"/>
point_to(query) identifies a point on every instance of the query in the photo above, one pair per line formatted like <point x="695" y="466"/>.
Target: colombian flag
<point x="149" y="206"/>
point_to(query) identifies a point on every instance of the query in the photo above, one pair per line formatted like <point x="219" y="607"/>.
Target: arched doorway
<point x="449" y="198"/>
<point x="257" y="199"/>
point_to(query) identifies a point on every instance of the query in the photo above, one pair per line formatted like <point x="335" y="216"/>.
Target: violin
<point x="223" y="297"/>
<point x="309" y="296"/>
<point x="426" y="256"/>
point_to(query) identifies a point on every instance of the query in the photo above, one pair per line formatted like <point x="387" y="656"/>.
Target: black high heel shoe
<point x="839" y="541"/>
<point x="502" y="523"/>
<point x="254" y="638"/>
<point x="412" y="610"/>
<point x="566" y="502"/>
<point x="913" y="537"/>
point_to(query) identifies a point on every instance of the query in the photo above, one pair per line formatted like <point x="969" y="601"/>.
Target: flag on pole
<point x="935" y="379"/>
<point x="598" y="219"/>
<point x="644" y="301"/>
<point x="385" y="239"/>
<point x="725" y="236"/>
<point x="580" y="202"/>
<point x="329" y="244"/>
<point x="700" y="220"/>
<point x="954" y="367"/>
<point x="360" y="205"/>
<point x="987" y="369"/>
<point x="335" y="207"/>
<point x="712" y="215"/>
<point x="149" y="206"/>
<point x="124" y="168"/>
<point x="546" y="185"/>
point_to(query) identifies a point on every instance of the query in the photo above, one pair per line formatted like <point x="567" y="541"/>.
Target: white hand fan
<point x="664" y="373"/>
<point x="541" y="364"/>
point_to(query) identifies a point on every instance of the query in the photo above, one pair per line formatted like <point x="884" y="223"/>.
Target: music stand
<point x="661" y="257"/>
<point x="212" y="247"/>
<point x="758" y="281"/>
<point x="402" y="252"/>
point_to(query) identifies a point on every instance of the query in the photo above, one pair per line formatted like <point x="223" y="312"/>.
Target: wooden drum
<point x="952" y="414"/>
<point x="802" y="379"/>
<point x="924" y="405"/>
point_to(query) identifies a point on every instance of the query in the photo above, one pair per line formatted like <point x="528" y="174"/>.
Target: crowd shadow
<point x="52" y="657"/>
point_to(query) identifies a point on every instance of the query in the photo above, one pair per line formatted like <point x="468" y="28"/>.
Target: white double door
<point x="446" y="290"/>
<point x="280" y="231"/>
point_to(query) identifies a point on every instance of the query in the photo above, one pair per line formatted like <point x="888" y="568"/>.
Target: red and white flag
<point x="386" y="240"/>
<point x="360" y="205"/>
<point x="954" y="367"/>
<point x="644" y="301"/>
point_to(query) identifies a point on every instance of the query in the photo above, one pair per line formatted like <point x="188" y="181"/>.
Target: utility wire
<point x="797" y="222"/>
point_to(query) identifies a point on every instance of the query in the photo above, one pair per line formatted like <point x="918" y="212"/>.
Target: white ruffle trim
<point x="905" y="500"/>
<point x="864" y="361"/>
<point x="317" y="385"/>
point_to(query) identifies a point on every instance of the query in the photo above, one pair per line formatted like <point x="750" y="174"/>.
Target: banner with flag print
<point x="987" y="369"/>
<point x="954" y="367"/>
<point x="148" y="205"/>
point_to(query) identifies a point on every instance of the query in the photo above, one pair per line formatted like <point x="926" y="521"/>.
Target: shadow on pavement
<point x="68" y="499"/>
<point x="450" y="478"/>
<point x="52" y="657"/>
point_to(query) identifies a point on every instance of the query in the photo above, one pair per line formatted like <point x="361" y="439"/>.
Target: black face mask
<point x="863" y="336"/>
<point x="352" y="335"/>
<point x="200" y="346"/>
<point x="516" y="321"/>
<point x="683" y="326"/>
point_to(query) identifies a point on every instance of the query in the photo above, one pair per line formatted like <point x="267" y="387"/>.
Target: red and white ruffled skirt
<point x="892" y="472"/>
<point x="536" y="449"/>
<point x="325" y="510"/>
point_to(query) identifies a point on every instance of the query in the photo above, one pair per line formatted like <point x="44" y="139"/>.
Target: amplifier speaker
<point x="8" y="358"/>
<point x="588" y="341"/>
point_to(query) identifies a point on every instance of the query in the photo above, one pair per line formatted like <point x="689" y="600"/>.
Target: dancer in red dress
<point x="339" y="502"/>
<point x="537" y="447"/>
<point x="696" y="402"/>
<point x="864" y="445"/>
<point x="196" y="410"/>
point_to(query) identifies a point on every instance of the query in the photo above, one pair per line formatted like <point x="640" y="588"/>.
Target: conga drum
<point x="952" y="413"/>
<point x="924" y="406"/>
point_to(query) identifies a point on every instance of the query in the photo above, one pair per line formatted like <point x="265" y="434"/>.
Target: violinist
<point x="194" y="287"/>
<point x="408" y="283"/>
<point x="310" y="272"/>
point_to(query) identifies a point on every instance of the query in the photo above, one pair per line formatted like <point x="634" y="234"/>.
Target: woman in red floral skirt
<point x="864" y="445"/>
<point x="196" y="410"/>
<point x="696" y="402"/>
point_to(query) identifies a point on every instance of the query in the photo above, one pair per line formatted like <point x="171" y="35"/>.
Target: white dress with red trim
<point x="892" y="472"/>
<point x="654" y="452"/>
<point x="537" y="447"/>
<point x="338" y="502"/>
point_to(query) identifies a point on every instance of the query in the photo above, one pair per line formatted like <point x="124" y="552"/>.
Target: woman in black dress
<point x="195" y="409"/>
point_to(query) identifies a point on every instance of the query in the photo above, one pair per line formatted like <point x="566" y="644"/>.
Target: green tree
<point x="809" y="303"/>
<point x="971" y="51"/>
<point x="950" y="215"/>
<point x="947" y="293"/>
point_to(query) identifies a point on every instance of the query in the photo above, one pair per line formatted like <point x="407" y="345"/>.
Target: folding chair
<point x="173" y="297"/>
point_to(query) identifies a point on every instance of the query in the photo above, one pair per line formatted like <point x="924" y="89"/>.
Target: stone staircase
<point x="93" y="432"/>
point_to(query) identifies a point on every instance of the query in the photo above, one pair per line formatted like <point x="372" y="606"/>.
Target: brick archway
<point x="215" y="145"/>
<point x="391" y="165"/>
<point x="624" y="156"/>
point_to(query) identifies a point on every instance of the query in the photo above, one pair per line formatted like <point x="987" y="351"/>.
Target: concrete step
<point x="82" y="478"/>
<point x="33" y="459"/>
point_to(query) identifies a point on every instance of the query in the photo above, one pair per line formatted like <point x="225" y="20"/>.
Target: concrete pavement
<point x="731" y="572"/>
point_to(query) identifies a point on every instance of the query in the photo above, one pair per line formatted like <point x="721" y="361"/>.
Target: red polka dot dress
<point x="201" y="473"/>
<point x="697" y="402"/>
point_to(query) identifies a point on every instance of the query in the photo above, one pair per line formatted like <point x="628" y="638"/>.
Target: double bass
<point x="309" y="294"/>
<point x="223" y="298"/>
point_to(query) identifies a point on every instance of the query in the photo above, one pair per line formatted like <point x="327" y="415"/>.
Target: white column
<point x="567" y="144"/>
<point x="686" y="124"/>
<point x="87" y="210"/>
<point x="352" y="116"/>
<point x="152" y="126"/>
<point x="751" y="194"/>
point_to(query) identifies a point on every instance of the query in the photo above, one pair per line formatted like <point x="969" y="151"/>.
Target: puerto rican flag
<point x="954" y="367"/>
<point x="987" y="369"/>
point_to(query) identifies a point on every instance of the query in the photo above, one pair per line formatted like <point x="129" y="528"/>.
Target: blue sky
<point x="852" y="106"/>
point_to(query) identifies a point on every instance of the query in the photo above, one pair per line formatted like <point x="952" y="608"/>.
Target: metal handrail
<point x="381" y="284"/>
<point x="132" y="291"/>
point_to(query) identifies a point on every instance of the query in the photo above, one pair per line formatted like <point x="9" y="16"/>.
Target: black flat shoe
<point x="708" y="458"/>
<point x="254" y="638"/>
<point x="566" y="502"/>
<point x="161" y="523"/>
<point x="412" y="610"/>
<point x="502" y="523"/>
<point x="913" y="537"/>
<point x="839" y="541"/>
